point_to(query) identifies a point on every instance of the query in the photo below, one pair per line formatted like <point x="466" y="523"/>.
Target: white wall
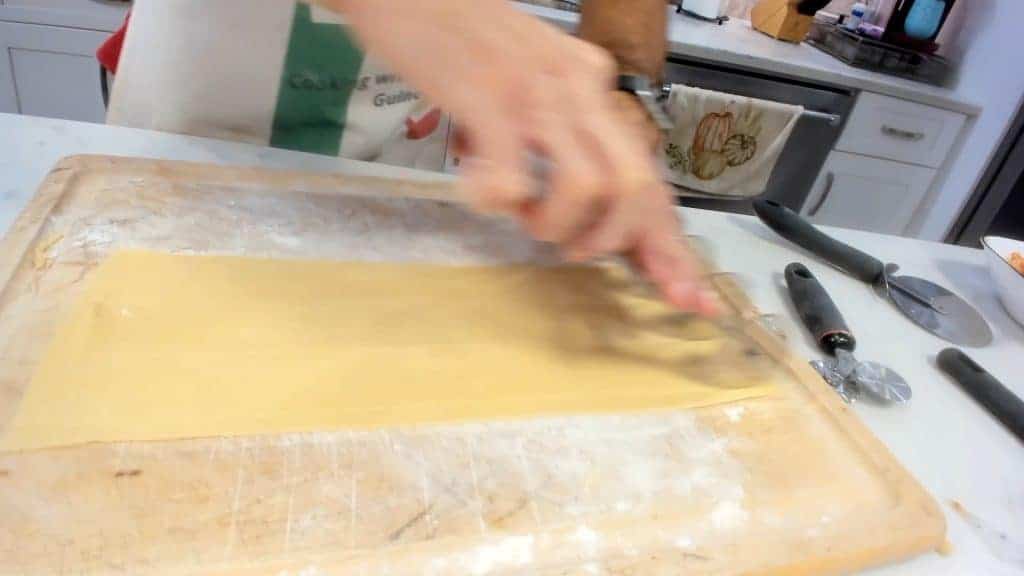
<point x="990" y="47"/>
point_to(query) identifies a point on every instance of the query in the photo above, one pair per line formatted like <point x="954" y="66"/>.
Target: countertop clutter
<point x="736" y="43"/>
<point x="958" y="452"/>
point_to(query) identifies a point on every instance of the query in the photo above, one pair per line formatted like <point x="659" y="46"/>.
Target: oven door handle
<point x="832" y="119"/>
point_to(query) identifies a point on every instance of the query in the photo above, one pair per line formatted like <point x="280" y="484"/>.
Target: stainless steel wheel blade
<point x="881" y="382"/>
<point x="950" y="318"/>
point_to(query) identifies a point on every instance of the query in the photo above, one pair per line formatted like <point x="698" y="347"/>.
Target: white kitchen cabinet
<point x="854" y="191"/>
<point x="104" y="15"/>
<point x="50" y="71"/>
<point x="898" y="130"/>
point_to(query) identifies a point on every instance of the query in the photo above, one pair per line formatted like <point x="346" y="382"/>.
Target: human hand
<point x="520" y="88"/>
<point x="636" y="118"/>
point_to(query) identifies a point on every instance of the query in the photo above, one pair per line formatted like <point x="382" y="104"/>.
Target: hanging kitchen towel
<point x="723" y="144"/>
<point x="283" y="73"/>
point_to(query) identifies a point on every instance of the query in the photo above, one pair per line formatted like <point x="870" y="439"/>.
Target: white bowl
<point x="1009" y="282"/>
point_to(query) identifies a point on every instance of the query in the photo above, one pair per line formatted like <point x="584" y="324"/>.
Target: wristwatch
<point x="640" y="86"/>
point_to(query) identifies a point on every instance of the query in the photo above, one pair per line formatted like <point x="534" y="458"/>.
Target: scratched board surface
<point x="790" y="484"/>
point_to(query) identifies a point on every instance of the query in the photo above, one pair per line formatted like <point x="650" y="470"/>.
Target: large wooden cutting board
<point x="788" y="484"/>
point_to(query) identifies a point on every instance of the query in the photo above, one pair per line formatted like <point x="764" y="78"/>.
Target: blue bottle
<point x="924" y="18"/>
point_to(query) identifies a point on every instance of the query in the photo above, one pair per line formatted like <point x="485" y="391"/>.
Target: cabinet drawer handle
<point x="830" y="179"/>
<point x="901" y="134"/>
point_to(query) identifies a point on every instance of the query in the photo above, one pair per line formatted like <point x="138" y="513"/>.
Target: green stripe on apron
<point x="320" y="72"/>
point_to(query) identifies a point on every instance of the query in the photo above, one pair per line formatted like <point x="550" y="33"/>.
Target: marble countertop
<point x="951" y="445"/>
<point x="737" y="44"/>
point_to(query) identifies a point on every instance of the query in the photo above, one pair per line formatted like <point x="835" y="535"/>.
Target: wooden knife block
<point x="779" y="19"/>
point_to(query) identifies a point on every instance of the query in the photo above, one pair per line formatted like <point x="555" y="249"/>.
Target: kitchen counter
<point x="951" y="445"/>
<point x="736" y="43"/>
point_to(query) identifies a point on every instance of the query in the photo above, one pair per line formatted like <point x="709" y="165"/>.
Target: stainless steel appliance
<point x="810" y="142"/>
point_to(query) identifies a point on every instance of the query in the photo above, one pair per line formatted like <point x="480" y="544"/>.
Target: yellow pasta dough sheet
<point x="167" y="346"/>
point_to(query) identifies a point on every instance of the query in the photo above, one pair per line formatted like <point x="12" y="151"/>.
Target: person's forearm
<point x="633" y="31"/>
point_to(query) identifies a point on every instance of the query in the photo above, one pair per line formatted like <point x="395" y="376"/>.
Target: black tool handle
<point x="985" y="389"/>
<point x="792" y="227"/>
<point x="817" y="310"/>
<point x="810" y="7"/>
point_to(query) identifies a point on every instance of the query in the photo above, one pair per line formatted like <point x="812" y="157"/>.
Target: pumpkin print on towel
<point x="722" y="140"/>
<point x="723" y="145"/>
